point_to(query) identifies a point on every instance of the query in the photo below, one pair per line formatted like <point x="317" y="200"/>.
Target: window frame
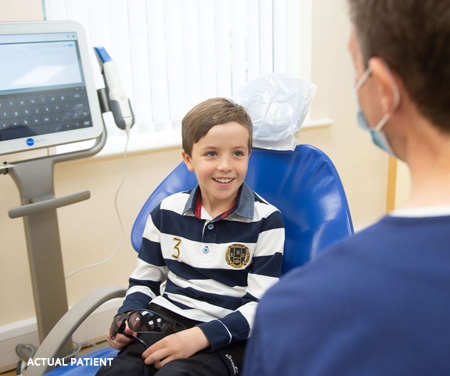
<point x="289" y="25"/>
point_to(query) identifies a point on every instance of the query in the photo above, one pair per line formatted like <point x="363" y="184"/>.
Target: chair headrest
<point x="278" y="104"/>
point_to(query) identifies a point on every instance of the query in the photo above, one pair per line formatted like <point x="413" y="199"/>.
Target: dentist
<point x="379" y="302"/>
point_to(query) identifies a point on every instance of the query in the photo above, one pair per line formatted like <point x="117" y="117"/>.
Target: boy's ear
<point x="187" y="160"/>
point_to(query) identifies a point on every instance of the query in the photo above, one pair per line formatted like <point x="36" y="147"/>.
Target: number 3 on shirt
<point x="176" y="247"/>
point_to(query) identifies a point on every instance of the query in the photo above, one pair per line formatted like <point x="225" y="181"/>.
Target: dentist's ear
<point x="187" y="160"/>
<point x="386" y="84"/>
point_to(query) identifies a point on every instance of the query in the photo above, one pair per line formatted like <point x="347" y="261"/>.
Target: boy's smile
<point x="220" y="161"/>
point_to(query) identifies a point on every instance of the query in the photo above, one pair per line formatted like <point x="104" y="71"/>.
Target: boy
<point x="378" y="303"/>
<point x="207" y="256"/>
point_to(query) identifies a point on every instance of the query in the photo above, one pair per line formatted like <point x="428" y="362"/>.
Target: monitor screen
<point x="47" y="93"/>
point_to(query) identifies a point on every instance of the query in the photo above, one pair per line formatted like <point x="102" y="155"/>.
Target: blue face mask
<point x="378" y="136"/>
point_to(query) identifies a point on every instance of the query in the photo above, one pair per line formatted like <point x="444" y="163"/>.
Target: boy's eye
<point x="210" y="154"/>
<point x="238" y="153"/>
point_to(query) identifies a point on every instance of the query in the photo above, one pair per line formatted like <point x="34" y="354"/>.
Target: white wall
<point x="90" y="231"/>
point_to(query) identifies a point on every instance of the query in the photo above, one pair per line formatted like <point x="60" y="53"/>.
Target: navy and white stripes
<point x="212" y="270"/>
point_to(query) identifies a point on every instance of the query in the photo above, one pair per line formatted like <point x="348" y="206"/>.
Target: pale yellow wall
<point x="362" y="167"/>
<point x="403" y="187"/>
<point x="20" y="10"/>
<point x="90" y="231"/>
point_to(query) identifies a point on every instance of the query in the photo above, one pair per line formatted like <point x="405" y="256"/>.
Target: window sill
<point x="318" y="123"/>
<point x="115" y="144"/>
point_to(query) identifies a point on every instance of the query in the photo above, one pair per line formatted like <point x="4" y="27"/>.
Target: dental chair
<point x="303" y="184"/>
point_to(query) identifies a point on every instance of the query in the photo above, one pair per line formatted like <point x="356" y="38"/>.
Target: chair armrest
<point x="67" y="325"/>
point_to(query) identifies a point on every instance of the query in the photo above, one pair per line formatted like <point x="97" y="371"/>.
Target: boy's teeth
<point x="223" y="181"/>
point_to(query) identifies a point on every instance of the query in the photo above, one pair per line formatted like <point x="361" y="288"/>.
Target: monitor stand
<point x="34" y="179"/>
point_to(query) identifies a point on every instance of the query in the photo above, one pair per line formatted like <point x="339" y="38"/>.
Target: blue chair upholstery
<point x="304" y="185"/>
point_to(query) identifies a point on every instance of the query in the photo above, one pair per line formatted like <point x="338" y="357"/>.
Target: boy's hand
<point x="176" y="346"/>
<point x="119" y="340"/>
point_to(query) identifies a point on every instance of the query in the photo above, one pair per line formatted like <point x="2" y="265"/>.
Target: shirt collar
<point x="244" y="207"/>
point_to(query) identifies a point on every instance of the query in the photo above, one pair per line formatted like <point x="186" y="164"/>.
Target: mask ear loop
<point x="362" y="79"/>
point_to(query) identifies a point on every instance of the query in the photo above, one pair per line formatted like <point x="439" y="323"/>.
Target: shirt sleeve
<point x="151" y="270"/>
<point x="264" y="271"/>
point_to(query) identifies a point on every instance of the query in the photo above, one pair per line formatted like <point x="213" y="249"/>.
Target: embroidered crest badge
<point x="237" y="256"/>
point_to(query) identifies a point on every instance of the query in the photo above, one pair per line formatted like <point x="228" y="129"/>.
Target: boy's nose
<point x="224" y="164"/>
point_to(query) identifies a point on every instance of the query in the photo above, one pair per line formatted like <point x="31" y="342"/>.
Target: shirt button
<point x="210" y="226"/>
<point x="206" y="250"/>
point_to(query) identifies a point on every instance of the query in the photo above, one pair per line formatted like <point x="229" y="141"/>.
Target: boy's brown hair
<point x="198" y="121"/>
<point x="413" y="37"/>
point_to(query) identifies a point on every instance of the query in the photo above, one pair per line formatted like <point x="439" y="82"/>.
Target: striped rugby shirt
<point x="212" y="270"/>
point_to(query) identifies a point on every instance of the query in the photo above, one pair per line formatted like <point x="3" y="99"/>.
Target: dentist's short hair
<point x="413" y="37"/>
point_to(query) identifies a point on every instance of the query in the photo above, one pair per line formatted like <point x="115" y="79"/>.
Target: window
<point x="173" y="54"/>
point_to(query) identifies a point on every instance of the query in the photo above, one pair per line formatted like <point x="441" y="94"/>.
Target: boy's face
<point x="220" y="161"/>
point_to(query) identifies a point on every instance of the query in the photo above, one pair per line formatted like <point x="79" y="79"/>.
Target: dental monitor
<point x="47" y="90"/>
